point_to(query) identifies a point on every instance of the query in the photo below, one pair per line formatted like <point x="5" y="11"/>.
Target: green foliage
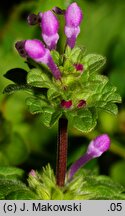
<point x="99" y="16"/>
<point x="84" y="186"/>
<point x="88" y="85"/>
<point x="11" y="185"/>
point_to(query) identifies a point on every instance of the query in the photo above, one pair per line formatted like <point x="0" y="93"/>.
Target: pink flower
<point x="73" y="18"/>
<point x="36" y="50"/>
<point x="95" y="149"/>
<point x="49" y="25"/>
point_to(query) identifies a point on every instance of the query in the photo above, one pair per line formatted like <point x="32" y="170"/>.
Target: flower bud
<point x="33" y="19"/>
<point x="81" y="104"/>
<point x="20" y="46"/>
<point x="95" y="149"/>
<point x="79" y="67"/>
<point x="50" y="26"/>
<point x="66" y="104"/>
<point x="73" y="18"/>
<point x="32" y="173"/>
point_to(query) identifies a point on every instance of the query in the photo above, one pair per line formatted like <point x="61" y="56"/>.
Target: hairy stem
<point x="62" y="146"/>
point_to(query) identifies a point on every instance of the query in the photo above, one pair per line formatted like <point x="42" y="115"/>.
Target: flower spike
<point x="73" y="18"/>
<point x="95" y="149"/>
<point x="49" y="25"/>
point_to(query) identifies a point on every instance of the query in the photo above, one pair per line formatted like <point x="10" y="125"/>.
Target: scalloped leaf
<point x="11" y="88"/>
<point x="94" y="62"/>
<point x="82" y="120"/>
<point x="11" y="173"/>
<point x="74" y="55"/>
<point x="50" y="116"/>
<point x="36" y="105"/>
<point x="11" y="186"/>
<point x="38" y="78"/>
<point x="52" y="94"/>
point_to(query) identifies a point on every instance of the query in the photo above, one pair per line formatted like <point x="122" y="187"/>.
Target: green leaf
<point x="53" y="93"/>
<point x="17" y="75"/>
<point x="11" y="88"/>
<point x="56" y="57"/>
<point x="39" y="78"/>
<point x="94" y="62"/>
<point x="82" y="120"/>
<point x="99" y="93"/>
<point x="112" y="108"/>
<point x="36" y="105"/>
<point x="50" y="116"/>
<point x="22" y="195"/>
<point x="75" y="54"/>
<point x="85" y="185"/>
<point x="13" y="189"/>
<point x="11" y="173"/>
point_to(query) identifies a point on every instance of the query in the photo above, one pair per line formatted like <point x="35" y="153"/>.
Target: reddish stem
<point x="62" y="146"/>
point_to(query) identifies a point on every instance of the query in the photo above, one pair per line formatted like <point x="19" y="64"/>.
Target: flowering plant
<point x="63" y="87"/>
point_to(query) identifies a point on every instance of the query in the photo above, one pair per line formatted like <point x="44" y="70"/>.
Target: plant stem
<point x="62" y="146"/>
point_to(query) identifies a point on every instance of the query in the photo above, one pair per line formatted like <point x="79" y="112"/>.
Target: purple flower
<point x="95" y="149"/>
<point x="73" y="18"/>
<point x="66" y="104"/>
<point x="50" y="26"/>
<point x="36" y="50"/>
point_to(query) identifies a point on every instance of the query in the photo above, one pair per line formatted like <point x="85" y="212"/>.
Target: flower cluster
<point x="40" y="51"/>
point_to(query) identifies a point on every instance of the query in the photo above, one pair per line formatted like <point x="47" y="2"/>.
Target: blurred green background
<point x="24" y="141"/>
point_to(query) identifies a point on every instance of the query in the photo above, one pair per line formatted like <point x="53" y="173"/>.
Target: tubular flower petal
<point x="36" y="50"/>
<point x="95" y="149"/>
<point x="73" y="18"/>
<point x="49" y="25"/>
